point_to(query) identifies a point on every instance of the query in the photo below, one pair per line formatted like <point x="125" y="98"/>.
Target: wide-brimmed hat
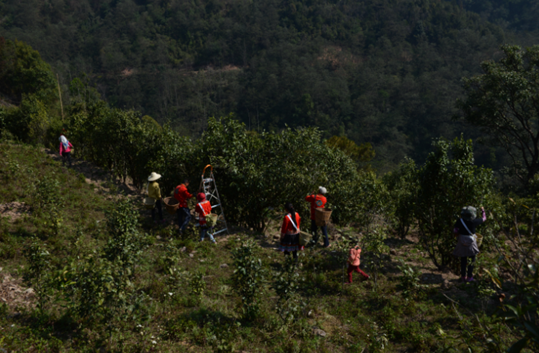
<point x="468" y="213"/>
<point x="154" y="176"/>
<point x="322" y="190"/>
<point x="201" y="196"/>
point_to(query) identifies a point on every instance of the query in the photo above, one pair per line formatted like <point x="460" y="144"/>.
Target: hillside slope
<point x="181" y="296"/>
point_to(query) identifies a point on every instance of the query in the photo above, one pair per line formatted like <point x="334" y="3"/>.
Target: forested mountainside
<point x="519" y="15"/>
<point x="380" y="71"/>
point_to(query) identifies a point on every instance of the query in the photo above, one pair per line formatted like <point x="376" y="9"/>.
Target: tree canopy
<point x="379" y="71"/>
<point x="504" y="102"/>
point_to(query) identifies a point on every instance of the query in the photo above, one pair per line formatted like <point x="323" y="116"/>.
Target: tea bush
<point x="410" y="281"/>
<point x="248" y="278"/>
<point x="448" y="181"/>
<point x="286" y="284"/>
<point x="37" y="272"/>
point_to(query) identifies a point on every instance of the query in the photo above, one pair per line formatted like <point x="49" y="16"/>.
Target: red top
<point x="203" y="209"/>
<point x="353" y="259"/>
<point x="68" y="149"/>
<point x="288" y="227"/>
<point x="182" y="195"/>
<point x="317" y="201"/>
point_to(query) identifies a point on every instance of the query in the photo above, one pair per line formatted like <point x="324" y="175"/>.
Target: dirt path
<point x="101" y="179"/>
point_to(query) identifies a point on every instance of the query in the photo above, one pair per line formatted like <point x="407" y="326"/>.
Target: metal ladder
<point x="208" y="186"/>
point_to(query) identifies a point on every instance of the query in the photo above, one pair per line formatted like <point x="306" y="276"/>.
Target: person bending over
<point x="290" y="232"/>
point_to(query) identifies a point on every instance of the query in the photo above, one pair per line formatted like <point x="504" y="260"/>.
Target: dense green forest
<point x="379" y="71"/>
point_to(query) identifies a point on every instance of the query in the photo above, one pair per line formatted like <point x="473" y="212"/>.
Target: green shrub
<point x="286" y="283"/>
<point x="198" y="286"/>
<point x="448" y="181"/>
<point x="37" y="272"/>
<point x="374" y="243"/>
<point x="125" y="243"/>
<point x="409" y="281"/>
<point x="248" y="277"/>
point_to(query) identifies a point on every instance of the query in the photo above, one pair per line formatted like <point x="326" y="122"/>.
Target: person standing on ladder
<point x="318" y="201"/>
<point x="203" y="208"/>
<point x="184" y="214"/>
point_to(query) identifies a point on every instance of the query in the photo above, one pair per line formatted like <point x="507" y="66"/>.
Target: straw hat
<point x="154" y="176"/>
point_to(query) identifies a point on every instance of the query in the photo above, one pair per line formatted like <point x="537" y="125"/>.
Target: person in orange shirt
<point x="183" y="213"/>
<point x="318" y="201"/>
<point x="353" y="264"/>
<point x="203" y="208"/>
<point x="290" y="232"/>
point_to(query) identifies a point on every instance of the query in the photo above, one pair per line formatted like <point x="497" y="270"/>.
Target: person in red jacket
<point x="183" y="213"/>
<point x="318" y="201"/>
<point x="353" y="264"/>
<point x="290" y="232"/>
<point x="65" y="149"/>
<point x="203" y="208"/>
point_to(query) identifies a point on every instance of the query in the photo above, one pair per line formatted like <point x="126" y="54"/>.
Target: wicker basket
<point x="479" y="239"/>
<point x="171" y="204"/>
<point x="211" y="219"/>
<point x="322" y="216"/>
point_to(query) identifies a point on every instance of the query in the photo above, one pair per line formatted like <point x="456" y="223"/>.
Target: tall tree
<point x="504" y="103"/>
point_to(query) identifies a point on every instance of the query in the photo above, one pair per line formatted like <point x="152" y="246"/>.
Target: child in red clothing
<point x="203" y="208"/>
<point x="353" y="264"/>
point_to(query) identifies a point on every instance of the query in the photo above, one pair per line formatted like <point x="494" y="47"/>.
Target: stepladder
<point x="209" y="187"/>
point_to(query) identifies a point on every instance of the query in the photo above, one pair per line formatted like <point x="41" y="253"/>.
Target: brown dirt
<point x="14" y="294"/>
<point x="14" y="210"/>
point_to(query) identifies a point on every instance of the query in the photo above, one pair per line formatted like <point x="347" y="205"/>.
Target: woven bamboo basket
<point x="322" y="216"/>
<point x="171" y="204"/>
<point x="479" y="239"/>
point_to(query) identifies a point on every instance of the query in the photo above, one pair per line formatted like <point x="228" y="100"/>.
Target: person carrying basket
<point x="203" y="208"/>
<point x="290" y="232"/>
<point x="466" y="247"/>
<point x="318" y="201"/>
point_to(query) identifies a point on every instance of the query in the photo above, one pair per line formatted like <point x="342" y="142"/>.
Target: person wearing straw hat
<point x="154" y="192"/>
<point x="318" y="201"/>
<point x="203" y="208"/>
<point x="466" y="247"/>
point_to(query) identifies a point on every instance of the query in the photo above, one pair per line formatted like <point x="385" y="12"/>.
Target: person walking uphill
<point x="466" y="247"/>
<point x="318" y="201"/>
<point x="65" y="149"/>
<point x="203" y="208"/>
<point x="290" y="232"/>
<point x="182" y="195"/>
<point x="154" y="192"/>
<point x="353" y="264"/>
